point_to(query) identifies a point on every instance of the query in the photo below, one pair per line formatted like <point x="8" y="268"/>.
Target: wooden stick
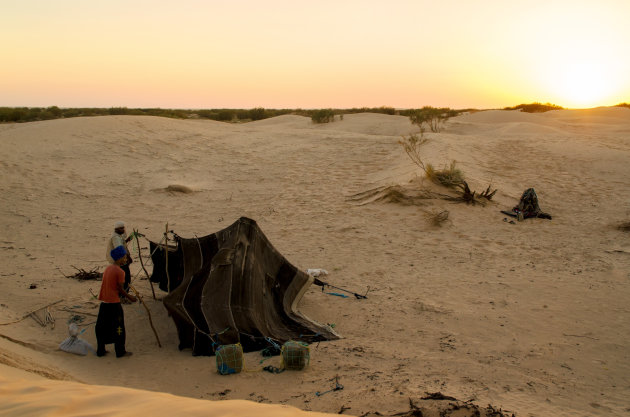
<point x="79" y="312"/>
<point x="35" y="317"/>
<point x="135" y="232"/>
<point x="148" y="312"/>
<point x="49" y="318"/>
<point x="168" y="277"/>
<point x="43" y="307"/>
<point x="31" y="312"/>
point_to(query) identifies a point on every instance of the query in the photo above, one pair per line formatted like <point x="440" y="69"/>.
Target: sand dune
<point x="530" y="316"/>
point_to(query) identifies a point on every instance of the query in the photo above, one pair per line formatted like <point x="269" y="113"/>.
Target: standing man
<point x="110" y="323"/>
<point x="119" y="238"/>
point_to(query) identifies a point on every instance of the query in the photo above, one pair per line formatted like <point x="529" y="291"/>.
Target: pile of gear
<point x="527" y="207"/>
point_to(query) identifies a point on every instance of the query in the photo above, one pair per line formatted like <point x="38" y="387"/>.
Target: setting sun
<point x="583" y="84"/>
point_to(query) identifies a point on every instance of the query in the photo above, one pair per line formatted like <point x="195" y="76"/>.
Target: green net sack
<point x="229" y="359"/>
<point x="295" y="355"/>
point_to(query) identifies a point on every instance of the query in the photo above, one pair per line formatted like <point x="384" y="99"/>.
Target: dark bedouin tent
<point x="233" y="286"/>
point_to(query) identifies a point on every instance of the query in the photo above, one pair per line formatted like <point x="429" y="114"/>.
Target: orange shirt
<point x="109" y="287"/>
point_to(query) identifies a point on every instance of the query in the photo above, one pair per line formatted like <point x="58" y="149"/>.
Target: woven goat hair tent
<point x="231" y="287"/>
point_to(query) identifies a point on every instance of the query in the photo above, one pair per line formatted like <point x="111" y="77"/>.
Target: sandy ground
<point x="531" y="317"/>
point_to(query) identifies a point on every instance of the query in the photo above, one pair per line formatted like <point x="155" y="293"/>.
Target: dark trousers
<point x="127" y="276"/>
<point x="110" y="328"/>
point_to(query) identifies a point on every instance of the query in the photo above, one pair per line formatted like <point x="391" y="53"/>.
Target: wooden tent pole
<point x="168" y="277"/>
<point x="135" y="232"/>
<point x="148" y="312"/>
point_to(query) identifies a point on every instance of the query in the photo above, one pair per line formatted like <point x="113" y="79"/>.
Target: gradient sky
<point x="314" y="54"/>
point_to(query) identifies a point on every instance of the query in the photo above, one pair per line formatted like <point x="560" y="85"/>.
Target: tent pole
<point x="168" y="277"/>
<point x="142" y="263"/>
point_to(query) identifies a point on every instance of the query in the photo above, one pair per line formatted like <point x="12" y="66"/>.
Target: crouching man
<point x="110" y="324"/>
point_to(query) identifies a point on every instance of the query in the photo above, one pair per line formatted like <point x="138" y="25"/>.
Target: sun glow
<point x="583" y="84"/>
<point x="576" y="54"/>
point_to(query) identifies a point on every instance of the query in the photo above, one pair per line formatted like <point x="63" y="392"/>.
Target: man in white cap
<point x="119" y="238"/>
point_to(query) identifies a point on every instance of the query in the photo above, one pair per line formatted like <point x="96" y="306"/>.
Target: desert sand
<point x="531" y="317"/>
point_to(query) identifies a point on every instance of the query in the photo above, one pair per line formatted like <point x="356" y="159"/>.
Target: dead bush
<point x="437" y="218"/>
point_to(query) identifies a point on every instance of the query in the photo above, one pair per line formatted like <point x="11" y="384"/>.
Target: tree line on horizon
<point x="32" y="114"/>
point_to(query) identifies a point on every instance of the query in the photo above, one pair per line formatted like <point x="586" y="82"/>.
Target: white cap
<point x="119" y="225"/>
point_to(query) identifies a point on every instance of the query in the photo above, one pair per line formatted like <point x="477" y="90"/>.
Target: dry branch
<point x="148" y="313"/>
<point x="83" y="275"/>
<point x="471" y="197"/>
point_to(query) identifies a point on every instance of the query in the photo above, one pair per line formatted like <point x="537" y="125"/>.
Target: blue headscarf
<point x="118" y="252"/>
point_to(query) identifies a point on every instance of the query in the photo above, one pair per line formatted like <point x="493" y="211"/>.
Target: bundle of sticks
<point x="83" y="275"/>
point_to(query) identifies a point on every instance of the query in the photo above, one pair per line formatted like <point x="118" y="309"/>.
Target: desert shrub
<point x="117" y="110"/>
<point x="257" y="113"/>
<point x="386" y="110"/>
<point x="46" y="115"/>
<point x="207" y="114"/>
<point x="71" y="113"/>
<point x="55" y="111"/>
<point x="437" y="218"/>
<point x="9" y="114"/>
<point x="431" y="117"/>
<point x="382" y="110"/>
<point x="225" y="115"/>
<point x="242" y="114"/>
<point x="411" y="144"/>
<point x="323" y="116"/>
<point x="623" y="105"/>
<point x="450" y="176"/>
<point x="535" y="107"/>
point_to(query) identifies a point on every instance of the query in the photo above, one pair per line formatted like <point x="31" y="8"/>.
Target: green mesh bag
<point x="295" y="355"/>
<point x="229" y="359"/>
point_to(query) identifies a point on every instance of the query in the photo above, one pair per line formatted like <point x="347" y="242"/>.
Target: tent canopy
<point x="233" y="286"/>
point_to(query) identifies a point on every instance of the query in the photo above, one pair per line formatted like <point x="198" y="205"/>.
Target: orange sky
<point x="304" y="54"/>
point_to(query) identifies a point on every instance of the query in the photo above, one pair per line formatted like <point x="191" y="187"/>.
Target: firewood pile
<point x="83" y="275"/>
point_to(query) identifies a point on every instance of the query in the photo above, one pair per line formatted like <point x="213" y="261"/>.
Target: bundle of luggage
<point x="527" y="207"/>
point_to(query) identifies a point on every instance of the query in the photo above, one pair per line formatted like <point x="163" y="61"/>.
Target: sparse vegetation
<point x="623" y="105"/>
<point x="472" y="197"/>
<point x="33" y="114"/>
<point x="535" y="107"/>
<point x="437" y="218"/>
<point x="411" y="144"/>
<point x="431" y="117"/>
<point x="323" y="116"/>
<point x="449" y="176"/>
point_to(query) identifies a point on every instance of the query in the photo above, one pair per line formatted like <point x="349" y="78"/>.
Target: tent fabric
<point x="233" y="287"/>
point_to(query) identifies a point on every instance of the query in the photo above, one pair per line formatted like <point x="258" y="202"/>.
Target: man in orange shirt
<point x="110" y="324"/>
